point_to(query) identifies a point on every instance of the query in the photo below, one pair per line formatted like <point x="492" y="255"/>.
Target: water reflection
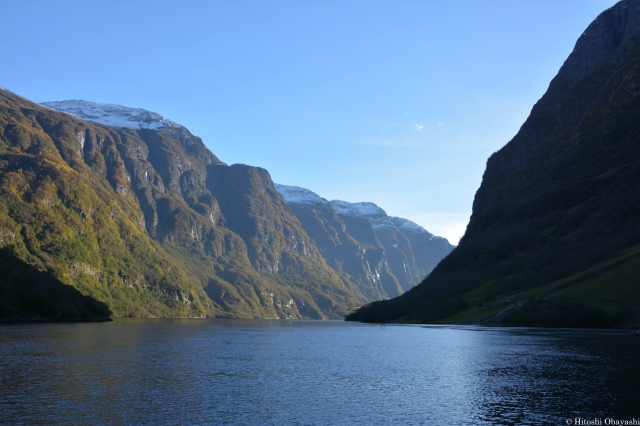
<point x="313" y="372"/>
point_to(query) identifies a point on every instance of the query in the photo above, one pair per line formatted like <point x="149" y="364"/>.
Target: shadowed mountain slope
<point x="28" y="294"/>
<point x="557" y="216"/>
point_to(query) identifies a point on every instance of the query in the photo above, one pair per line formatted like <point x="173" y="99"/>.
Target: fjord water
<point x="312" y="372"/>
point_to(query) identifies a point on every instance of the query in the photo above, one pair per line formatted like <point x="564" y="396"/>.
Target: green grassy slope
<point x="605" y="294"/>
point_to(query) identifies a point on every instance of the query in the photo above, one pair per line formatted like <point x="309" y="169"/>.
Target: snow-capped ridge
<point x="357" y="209"/>
<point x="408" y="226"/>
<point x="368" y="211"/>
<point x="113" y="115"/>
<point x="298" y="195"/>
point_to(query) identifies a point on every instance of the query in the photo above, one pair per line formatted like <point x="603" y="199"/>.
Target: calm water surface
<point x="312" y="373"/>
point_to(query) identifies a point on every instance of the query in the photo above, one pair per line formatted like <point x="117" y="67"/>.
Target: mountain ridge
<point x="382" y="255"/>
<point x="133" y="211"/>
<point x="113" y="115"/>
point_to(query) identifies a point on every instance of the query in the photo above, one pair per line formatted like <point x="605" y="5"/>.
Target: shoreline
<point x="33" y="320"/>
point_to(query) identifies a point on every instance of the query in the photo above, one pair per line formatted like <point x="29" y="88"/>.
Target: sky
<point x="399" y="103"/>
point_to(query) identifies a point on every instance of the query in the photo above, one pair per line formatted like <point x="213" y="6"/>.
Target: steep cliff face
<point x="592" y="64"/>
<point x="428" y="249"/>
<point x="257" y="213"/>
<point x="353" y="250"/>
<point x="405" y="266"/>
<point x="187" y="234"/>
<point x="554" y="234"/>
<point x="277" y="245"/>
<point x="364" y="245"/>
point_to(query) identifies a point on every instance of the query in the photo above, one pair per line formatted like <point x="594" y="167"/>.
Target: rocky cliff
<point x="555" y="231"/>
<point x="428" y="249"/>
<point x="382" y="256"/>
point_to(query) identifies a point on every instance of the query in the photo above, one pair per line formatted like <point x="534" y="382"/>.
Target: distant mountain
<point x="409" y="266"/>
<point x="554" y="238"/>
<point x="382" y="256"/>
<point x="428" y="249"/>
<point x="131" y="210"/>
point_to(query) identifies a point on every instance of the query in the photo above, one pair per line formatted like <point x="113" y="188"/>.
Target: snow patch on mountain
<point x="113" y="115"/>
<point x="368" y="211"/>
<point x="407" y="225"/>
<point x="298" y="195"/>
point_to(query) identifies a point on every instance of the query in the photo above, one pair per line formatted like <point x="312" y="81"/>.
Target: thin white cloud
<point x="440" y="123"/>
<point x="419" y="127"/>
<point x="396" y="144"/>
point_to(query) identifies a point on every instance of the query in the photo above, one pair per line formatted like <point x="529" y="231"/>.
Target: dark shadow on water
<point x="28" y="294"/>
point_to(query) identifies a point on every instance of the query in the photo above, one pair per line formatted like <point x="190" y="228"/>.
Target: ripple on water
<point x="311" y="372"/>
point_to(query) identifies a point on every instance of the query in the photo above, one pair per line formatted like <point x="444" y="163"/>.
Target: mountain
<point x="121" y="209"/>
<point x="398" y="237"/>
<point x="554" y="238"/>
<point x="379" y="255"/>
<point x="428" y="249"/>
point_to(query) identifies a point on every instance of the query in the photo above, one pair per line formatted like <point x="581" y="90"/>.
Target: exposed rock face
<point x="586" y="76"/>
<point x="257" y="212"/>
<point x="428" y="249"/>
<point x="398" y="249"/>
<point x="594" y="60"/>
<point x="353" y="250"/>
<point x="164" y="166"/>
<point x="364" y="245"/>
<point x="558" y="205"/>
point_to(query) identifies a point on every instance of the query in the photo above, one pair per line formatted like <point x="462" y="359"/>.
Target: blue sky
<point x="395" y="102"/>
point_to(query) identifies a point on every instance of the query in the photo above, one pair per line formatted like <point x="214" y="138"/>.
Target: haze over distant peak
<point x="365" y="210"/>
<point x="384" y="256"/>
<point x="113" y="115"/>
